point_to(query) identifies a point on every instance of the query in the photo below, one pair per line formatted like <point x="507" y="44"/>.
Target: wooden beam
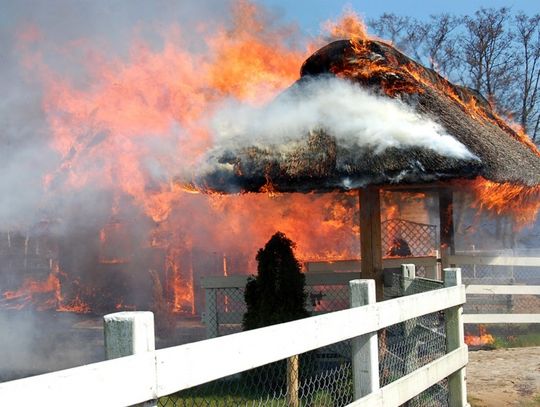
<point x="370" y="237"/>
<point x="446" y="233"/>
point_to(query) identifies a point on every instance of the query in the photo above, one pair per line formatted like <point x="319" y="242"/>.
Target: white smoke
<point x="351" y="114"/>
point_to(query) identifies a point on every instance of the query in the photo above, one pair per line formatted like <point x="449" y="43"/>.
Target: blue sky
<point x="310" y="13"/>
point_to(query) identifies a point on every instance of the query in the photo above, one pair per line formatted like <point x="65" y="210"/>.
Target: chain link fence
<point x="230" y="306"/>
<point x="323" y="377"/>
<point x="412" y="344"/>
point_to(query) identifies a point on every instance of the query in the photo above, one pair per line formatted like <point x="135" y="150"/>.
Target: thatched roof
<point x="317" y="162"/>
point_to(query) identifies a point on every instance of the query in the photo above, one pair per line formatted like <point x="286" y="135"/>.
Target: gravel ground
<point x="504" y="377"/>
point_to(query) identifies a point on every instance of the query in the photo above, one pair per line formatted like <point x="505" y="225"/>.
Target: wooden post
<point x="437" y="270"/>
<point x="408" y="273"/>
<point x="129" y="333"/>
<point x="370" y="238"/>
<point x="211" y="313"/>
<point x="365" y="349"/>
<point x="446" y="217"/>
<point x="455" y="339"/>
<point x="292" y="381"/>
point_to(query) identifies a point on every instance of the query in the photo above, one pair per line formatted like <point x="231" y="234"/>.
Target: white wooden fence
<point x="490" y="289"/>
<point x="149" y="375"/>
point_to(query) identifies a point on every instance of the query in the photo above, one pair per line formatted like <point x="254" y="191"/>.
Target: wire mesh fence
<point x="323" y="377"/>
<point x="227" y="312"/>
<point x="320" y="378"/>
<point x="412" y="344"/>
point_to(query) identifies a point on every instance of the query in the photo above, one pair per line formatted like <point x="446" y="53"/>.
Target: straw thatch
<point x="317" y="162"/>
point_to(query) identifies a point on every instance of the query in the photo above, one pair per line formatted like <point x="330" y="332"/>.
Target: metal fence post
<point x="129" y="333"/>
<point x="454" y="339"/>
<point x="365" y="352"/>
<point x="211" y="313"/>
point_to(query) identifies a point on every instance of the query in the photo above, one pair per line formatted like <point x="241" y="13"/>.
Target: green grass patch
<point x="535" y="402"/>
<point x="319" y="399"/>
<point x="517" y="341"/>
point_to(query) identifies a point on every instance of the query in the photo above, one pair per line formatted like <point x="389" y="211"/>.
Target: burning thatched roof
<point x="319" y="159"/>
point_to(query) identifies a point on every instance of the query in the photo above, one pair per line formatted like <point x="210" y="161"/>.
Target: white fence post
<point x="408" y="272"/>
<point x="365" y="348"/>
<point x="455" y="339"/>
<point x="128" y="333"/>
<point x="211" y="313"/>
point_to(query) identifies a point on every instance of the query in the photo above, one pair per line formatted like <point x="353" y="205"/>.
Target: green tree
<point x="277" y="293"/>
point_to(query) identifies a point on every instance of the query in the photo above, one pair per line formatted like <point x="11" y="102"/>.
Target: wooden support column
<point x="446" y="217"/>
<point x="370" y="238"/>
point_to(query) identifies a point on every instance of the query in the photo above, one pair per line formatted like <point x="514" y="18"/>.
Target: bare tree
<point x="405" y="33"/>
<point x="528" y="84"/>
<point x="487" y="59"/>
<point x="491" y="51"/>
<point x="440" y="42"/>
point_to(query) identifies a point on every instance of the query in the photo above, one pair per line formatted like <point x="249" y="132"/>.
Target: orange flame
<point x="349" y="26"/>
<point x="520" y="202"/>
<point x="482" y="339"/>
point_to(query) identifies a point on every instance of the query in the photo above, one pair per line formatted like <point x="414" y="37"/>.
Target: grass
<point x="517" y="341"/>
<point x="217" y="401"/>
<point x="319" y="399"/>
<point x="512" y="335"/>
<point x="535" y="402"/>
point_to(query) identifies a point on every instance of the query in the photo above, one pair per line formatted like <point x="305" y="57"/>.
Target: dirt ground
<point x="504" y="377"/>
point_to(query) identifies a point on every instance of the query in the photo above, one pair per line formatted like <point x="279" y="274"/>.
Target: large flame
<point x="141" y="122"/>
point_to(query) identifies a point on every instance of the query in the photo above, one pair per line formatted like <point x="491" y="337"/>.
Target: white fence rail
<point x="490" y="289"/>
<point x="150" y="375"/>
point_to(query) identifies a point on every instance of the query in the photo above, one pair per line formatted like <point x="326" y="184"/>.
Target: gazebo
<point x="493" y="154"/>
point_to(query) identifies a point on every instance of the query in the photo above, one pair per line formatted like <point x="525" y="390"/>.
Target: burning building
<point x="362" y="116"/>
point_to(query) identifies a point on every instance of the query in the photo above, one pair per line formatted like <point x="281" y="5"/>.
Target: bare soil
<point x="504" y="377"/>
